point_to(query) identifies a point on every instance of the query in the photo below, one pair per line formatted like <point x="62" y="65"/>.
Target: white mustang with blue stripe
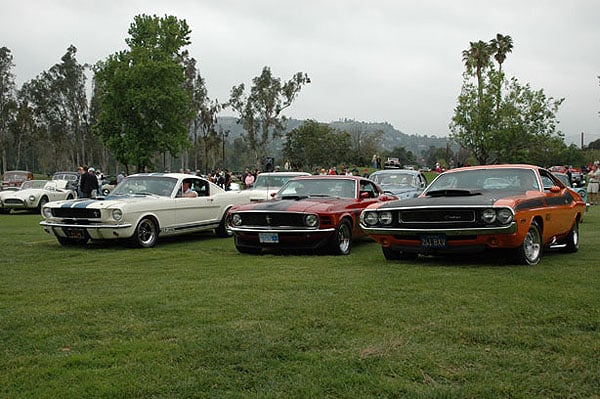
<point x="143" y="207"/>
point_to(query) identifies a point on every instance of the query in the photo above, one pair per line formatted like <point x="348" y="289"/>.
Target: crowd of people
<point x="91" y="180"/>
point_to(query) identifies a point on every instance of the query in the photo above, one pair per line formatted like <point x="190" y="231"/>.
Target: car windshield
<point x="500" y="179"/>
<point x="395" y="179"/>
<point x="33" y="184"/>
<point x="330" y="187"/>
<point x="269" y="181"/>
<point x="146" y="185"/>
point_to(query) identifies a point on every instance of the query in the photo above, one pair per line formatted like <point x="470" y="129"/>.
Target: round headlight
<point x="505" y="216"/>
<point x="311" y="220"/>
<point x="385" y="217"/>
<point x="46" y="212"/>
<point x="31" y="198"/>
<point x="370" y="218"/>
<point x="117" y="214"/>
<point x="488" y="216"/>
<point x="236" y="219"/>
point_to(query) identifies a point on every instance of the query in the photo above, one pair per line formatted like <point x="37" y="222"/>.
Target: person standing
<point x="594" y="184"/>
<point x="81" y="172"/>
<point x="85" y="182"/>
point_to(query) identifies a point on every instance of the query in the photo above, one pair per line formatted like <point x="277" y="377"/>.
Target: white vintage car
<point x="142" y="207"/>
<point x="34" y="194"/>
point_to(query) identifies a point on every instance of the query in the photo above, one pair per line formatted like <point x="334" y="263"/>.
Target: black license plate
<point x="77" y="234"/>
<point x="434" y="241"/>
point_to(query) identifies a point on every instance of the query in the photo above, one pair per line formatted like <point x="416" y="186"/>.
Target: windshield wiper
<point x="454" y="192"/>
<point x="293" y="197"/>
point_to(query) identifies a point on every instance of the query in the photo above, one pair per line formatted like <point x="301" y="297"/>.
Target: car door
<point x="560" y="212"/>
<point x="196" y="212"/>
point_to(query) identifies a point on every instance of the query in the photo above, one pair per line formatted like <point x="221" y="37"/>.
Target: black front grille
<point x="14" y="201"/>
<point x="76" y="213"/>
<point x="267" y="219"/>
<point x="437" y="216"/>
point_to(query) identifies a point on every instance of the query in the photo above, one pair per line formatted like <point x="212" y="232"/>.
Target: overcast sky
<point x="374" y="61"/>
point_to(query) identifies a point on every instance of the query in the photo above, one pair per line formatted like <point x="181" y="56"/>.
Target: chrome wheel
<point x="530" y="251"/>
<point x="342" y="240"/>
<point x="572" y="240"/>
<point x="146" y="234"/>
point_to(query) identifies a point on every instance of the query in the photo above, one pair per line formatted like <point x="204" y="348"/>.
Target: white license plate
<point x="268" y="238"/>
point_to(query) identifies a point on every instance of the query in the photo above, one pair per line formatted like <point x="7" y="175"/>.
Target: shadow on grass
<point x="490" y="258"/>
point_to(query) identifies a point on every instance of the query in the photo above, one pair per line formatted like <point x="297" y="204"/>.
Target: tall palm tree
<point x="501" y="45"/>
<point x="477" y="58"/>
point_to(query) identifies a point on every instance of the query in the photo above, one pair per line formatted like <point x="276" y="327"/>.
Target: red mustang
<point x="308" y="212"/>
<point x="520" y="208"/>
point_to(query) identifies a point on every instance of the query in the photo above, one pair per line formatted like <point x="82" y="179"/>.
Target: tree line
<point x="150" y="110"/>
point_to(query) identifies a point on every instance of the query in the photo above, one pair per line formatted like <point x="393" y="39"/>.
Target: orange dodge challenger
<point x="520" y="208"/>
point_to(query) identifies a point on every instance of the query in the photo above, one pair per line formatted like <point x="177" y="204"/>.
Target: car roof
<point x="167" y="174"/>
<point x="395" y="171"/>
<point x="317" y="177"/>
<point x="498" y="166"/>
<point x="284" y="174"/>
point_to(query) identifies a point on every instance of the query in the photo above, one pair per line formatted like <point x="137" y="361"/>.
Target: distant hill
<point x="392" y="137"/>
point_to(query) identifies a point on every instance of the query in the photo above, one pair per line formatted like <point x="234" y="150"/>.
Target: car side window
<point x="202" y="188"/>
<point x="548" y="181"/>
<point x="367" y="187"/>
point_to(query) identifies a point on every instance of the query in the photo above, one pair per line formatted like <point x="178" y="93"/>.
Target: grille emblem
<point x="452" y="217"/>
<point x="268" y="219"/>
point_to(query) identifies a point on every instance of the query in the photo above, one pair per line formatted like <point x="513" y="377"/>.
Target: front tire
<point x="572" y="240"/>
<point x="341" y="242"/>
<point x="43" y="201"/>
<point x="530" y="251"/>
<point x="145" y="234"/>
<point x="223" y="230"/>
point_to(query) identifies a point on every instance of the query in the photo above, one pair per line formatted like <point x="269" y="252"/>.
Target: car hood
<point x="107" y="202"/>
<point x="22" y="193"/>
<point x="453" y="198"/>
<point x="303" y="205"/>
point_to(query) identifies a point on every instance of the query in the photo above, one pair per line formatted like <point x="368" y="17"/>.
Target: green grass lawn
<point x="193" y="318"/>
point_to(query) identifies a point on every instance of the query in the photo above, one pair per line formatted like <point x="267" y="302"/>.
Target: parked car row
<point x="34" y="194"/>
<point x="521" y="210"/>
<point x="12" y="179"/>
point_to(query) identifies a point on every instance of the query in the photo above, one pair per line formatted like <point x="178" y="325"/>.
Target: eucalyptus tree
<point x="7" y="102"/>
<point x="144" y="107"/>
<point x="314" y="144"/>
<point x="260" y="111"/>
<point x="204" y="120"/>
<point x="56" y="99"/>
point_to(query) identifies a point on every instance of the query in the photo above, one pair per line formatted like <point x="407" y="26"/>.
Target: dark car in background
<point x="71" y="177"/>
<point x="582" y="191"/>
<point x="13" y="179"/>
<point x="403" y="183"/>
